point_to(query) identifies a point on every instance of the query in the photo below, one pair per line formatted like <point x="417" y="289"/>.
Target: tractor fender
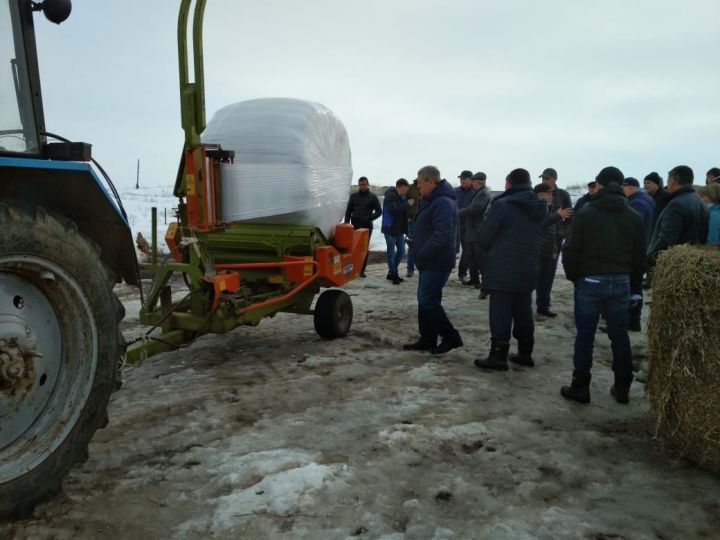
<point x="73" y="190"/>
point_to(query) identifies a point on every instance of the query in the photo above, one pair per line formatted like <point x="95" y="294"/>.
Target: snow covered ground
<point x="271" y="432"/>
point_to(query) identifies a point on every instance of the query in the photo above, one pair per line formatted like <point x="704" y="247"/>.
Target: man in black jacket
<point x="582" y="201"/>
<point x="548" y="251"/>
<point x="604" y="257"/>
<point x="685" y="217"/>
<point x="560" y="199"/>
<point x="363" y="208"/>
<point x="653" y="185"/>
<point x="510" y="233"/>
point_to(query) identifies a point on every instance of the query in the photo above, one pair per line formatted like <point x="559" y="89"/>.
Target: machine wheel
<point x="333" y="314"/>
<point x="59" y="352"/>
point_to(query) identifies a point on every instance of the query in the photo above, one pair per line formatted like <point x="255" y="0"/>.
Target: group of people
<point x="510" y="246"/>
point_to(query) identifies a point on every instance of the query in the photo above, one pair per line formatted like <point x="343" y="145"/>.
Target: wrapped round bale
<point x="684" y="339"/>
<point x="292" y="163"/>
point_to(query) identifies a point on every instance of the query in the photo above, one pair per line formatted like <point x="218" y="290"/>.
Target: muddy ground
<point x="272" y="432"/>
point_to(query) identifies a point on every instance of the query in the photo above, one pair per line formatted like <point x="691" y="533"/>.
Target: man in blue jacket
<point x="644" y="205"/>
<point x="510" y="233"/>
<point x="395" y="226"/>
<point x="436" y="223"/>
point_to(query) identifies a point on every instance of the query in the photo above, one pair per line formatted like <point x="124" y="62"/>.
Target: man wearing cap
<point x="548" y="251"/>
<point x="653" y="184"/>
<point x="473" y="216"/>
<point x="510" y="233"/>
<point x="560" y="200"/>
<point x="604" y="258"/>
<point x="582" y="201"/>
<point x="645" y="206"/>
<point x="685" y="217"/>
<point x="362" y="209"/>
<point x="464" y="195"/>
<point x="641" y="202"/>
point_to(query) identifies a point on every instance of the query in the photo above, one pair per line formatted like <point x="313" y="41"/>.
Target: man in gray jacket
<point x="472" y="216"/>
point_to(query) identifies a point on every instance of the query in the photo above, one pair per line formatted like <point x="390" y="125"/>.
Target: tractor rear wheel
<point x="59" y="353"/>
<point x="333" y="314"/>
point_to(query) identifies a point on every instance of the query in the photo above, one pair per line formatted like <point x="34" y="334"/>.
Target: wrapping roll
<point x="292" y="162"/>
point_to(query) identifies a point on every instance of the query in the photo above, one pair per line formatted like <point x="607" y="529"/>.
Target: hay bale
<point x="684" y="340"/>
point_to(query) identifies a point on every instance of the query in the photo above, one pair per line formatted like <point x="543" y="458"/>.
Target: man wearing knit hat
<point x="654" y="187"/>
<point x="605" y="259"/>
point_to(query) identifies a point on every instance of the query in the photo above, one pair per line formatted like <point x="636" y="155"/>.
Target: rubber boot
<point x="524" y="354"/>
<point x="579" y="390"/>
<point x="497" y="359"/>
<point x="621" y="390"/>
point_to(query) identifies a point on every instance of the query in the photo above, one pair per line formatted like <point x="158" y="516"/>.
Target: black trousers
<point x="511" y="314"/>
<point x="476" y="261"/>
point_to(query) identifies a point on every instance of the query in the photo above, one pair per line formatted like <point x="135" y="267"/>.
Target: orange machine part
<point x="297" y="273"/>
<point x="171" y="240"/>
<point x="344" y="236"/>
<point x="338" y="265"/>
<point x="221" y="282"/>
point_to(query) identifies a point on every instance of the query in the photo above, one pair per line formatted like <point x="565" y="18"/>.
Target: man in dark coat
<point x="560" y="199"/>
<point x="395" y="226"/>
<point x="643" y="204"/>
<point x="510" y="234"/>
<point x="435" y="239"/>
<point x="473" y="216"/>
<point x="604" y="259"/>
<point x="413" y="194"/>
<point x="582" y="201"/>
<point x="653" y="185"/>
<point x="548" y="251"/>
<point x="464" y="194"/>
<point x="712" y="176"/>
<point x="685" y="217"/>
<point x="363" y="208"/>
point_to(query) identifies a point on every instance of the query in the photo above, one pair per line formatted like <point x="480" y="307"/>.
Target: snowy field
<point x="271" y="432"/>
<point x="139" y="202"/>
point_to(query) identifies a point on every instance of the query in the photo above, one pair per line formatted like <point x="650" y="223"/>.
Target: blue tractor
<point x="64" y="243"/>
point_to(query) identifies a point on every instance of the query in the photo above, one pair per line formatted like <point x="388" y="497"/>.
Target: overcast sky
<point x="461" y="84"/>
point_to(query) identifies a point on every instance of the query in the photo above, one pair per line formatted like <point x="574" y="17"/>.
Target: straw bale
<point x="683" y="382"/>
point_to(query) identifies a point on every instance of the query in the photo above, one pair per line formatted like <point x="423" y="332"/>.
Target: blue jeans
<point x="511" y="311"/>
<point x="395" y="251"/>
<point x="546" y="277"/>
<point x="432" y="319"/>
<point x="610" y="294"/>
<point x="411" y="251"/>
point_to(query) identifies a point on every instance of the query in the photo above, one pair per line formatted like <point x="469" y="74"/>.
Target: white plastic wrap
<point x="292" y="162"/>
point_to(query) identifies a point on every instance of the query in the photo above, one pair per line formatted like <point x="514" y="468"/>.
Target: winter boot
<point x="396" y="279"/>
<point x="524" y="354"/>
<point x="497" y="359"/>
<point x="621" y="390"/>
<point x="579" y="390"/>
